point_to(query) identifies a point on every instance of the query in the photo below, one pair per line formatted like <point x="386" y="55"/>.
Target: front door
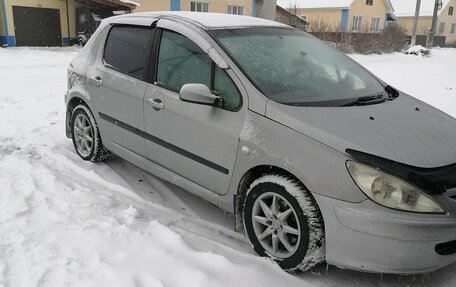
<point x="198" y="142"/>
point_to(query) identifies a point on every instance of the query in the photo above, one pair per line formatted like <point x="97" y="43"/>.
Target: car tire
<point x="291" y="233"/>
<point x="86" y="136"/>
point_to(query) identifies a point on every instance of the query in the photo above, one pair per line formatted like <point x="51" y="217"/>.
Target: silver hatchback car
<point x="317" y="158"/>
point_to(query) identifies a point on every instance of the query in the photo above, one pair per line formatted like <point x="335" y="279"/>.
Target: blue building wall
<point x="10" y="40"/>
<point x="175" y="5"/>
<point x="6" y="39"/>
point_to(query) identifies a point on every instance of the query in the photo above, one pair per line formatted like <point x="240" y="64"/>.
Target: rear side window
<point x="126" y="50"/>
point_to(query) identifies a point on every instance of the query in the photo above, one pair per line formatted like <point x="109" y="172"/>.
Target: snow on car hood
<point x="405" y="130"/>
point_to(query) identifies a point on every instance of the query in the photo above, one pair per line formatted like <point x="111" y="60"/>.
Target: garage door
<point x="37" y="26"/>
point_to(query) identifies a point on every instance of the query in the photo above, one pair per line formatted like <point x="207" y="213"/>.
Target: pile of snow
<point x="65" y="222"/>
<point x="430" y="79"/>
<point x="418" y="50"/>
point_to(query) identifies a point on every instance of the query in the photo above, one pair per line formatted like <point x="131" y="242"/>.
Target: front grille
<point x="446" y="248"/>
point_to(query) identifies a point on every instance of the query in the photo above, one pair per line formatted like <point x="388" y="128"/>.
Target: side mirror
<point x="198" y="94"/>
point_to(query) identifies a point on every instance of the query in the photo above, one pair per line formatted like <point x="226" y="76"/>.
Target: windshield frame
<point x="385" y="93"/>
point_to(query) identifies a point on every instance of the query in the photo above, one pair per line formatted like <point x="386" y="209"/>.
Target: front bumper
<point x="368" y="237"/>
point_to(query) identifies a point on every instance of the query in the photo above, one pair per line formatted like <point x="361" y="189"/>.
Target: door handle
<point x="156" y="104"/>
<point x="97" y="80"/>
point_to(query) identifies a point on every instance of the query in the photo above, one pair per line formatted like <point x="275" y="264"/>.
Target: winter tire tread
<point x="316" y="243"/>
<point x="99" y="152"/>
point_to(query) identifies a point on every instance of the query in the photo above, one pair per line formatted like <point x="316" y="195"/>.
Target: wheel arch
<point x="316" y="247"/>
<point x="250" y="176"/>
<point x="74" y="100"/>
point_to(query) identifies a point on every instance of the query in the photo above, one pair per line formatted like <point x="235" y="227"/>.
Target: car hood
<point x="404" y="130"/>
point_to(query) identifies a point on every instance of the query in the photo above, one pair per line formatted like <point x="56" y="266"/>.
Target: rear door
<point x="118" y="85"/>
<point x="198" y="142"/>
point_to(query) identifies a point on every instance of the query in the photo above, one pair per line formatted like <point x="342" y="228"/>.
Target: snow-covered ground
<point x="65" y="222"/>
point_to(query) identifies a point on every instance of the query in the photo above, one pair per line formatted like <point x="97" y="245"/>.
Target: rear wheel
<point x="86" y="137"/>
<point x="283" y="222"/>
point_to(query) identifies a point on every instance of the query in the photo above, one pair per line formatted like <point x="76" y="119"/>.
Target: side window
<point x="126" y="50"/>
<point x="180" y="61"/>
<point x="227" y="89"/>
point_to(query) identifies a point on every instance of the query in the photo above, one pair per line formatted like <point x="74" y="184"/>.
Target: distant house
<point x="286" y="17"/>
<point x="240" y="7"/>
<point x="267" y="9"/>
<point x="58" y="22"/>
<point x="343" y="15"/>
<point x="405" y="12"/>
<point x="50" y="22"/>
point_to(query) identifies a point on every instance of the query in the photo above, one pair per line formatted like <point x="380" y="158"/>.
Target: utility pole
<point x="433" y="30"/>
<point x="415" y="23"/>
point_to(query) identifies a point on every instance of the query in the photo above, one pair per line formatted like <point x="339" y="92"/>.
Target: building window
<point x="453" y="28"/>
<point x="370" y="2"/>
<point x="197" y="6"/>
<point x="450" y="11"/>
<point x="235" y="9"/>
<point x="357" y="23"/>
<point x="375" y="24"/>
<point x="442" y="28"/>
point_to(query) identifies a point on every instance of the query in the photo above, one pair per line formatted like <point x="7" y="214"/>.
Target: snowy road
<point x="65" y="222"/>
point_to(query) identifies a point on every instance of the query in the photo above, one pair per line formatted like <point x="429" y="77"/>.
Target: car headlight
<point x="391" y="191"/>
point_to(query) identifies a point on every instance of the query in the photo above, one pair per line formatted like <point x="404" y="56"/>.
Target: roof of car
<point x="208" y="20"/>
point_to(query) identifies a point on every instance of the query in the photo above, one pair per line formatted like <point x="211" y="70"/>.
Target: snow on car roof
<point x="404" y="8"/>
<point x="210" y="20"/>
<point x="311" y="4"/>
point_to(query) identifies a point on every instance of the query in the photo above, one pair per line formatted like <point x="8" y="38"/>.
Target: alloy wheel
<point x="83" y="135"/>
<point x="276" y="225"/>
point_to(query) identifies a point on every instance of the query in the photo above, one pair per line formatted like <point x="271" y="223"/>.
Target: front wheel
<point x="283" y="222"/>
<point x="86" y="137"/>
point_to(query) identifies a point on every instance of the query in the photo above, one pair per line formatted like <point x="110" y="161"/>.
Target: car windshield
<point x="295" y="68"/>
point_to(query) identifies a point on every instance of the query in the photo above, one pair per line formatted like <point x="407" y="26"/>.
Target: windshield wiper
<point x="367" y="100"/>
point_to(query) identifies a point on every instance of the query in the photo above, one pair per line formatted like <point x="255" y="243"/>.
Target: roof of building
<point x="406" y="8"/>
<point x="313" y="4"/>
<point x="208" y="20"/>
<point x="323" y="4"/>
<point x="295" y="17"/>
